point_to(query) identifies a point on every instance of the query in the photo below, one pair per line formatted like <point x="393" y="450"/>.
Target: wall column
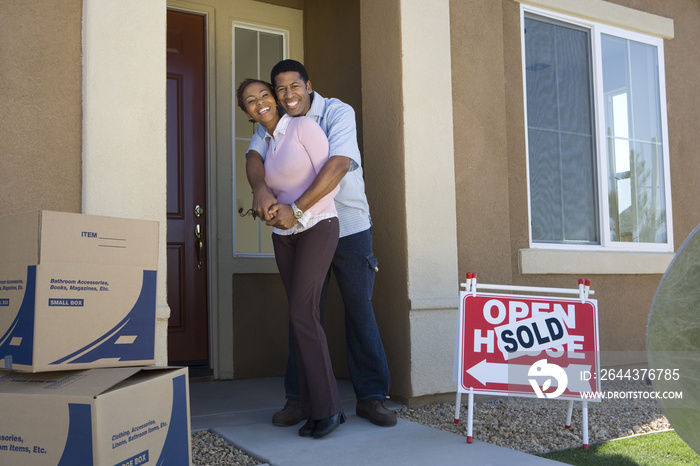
<point x="431" y="221"/>
<point x="409" y="158"/>
<point x="124" y="110"/>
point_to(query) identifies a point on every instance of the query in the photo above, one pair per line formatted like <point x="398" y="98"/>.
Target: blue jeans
<point x="353" y="266"/>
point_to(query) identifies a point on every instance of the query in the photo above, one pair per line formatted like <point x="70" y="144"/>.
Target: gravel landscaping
<point x="529" y="425"/>
<point x="532" y="425"/>
<point x="210" y="449"/>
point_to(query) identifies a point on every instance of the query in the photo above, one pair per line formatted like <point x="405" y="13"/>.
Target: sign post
<point x="527" y="345"/>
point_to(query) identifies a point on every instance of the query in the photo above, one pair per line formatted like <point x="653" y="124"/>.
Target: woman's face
<point x="260" y="103"/>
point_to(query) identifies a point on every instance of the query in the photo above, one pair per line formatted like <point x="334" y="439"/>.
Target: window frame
<point x="596" y="29"/>
<point x="235" y="112"/>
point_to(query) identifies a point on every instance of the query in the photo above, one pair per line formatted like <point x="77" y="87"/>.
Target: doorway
<point x="187" y="250"/>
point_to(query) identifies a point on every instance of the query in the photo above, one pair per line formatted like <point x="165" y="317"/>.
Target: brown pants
<point x="303" y="260"/>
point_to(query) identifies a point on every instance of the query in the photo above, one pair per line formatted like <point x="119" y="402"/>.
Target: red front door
<point x="188" y="327"/>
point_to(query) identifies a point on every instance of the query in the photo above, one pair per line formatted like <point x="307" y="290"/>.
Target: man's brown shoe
<point x="289" y="416"/>
<point x="376" y="412"/>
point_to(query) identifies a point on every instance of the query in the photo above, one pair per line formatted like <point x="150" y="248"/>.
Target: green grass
<point x="662" y="448"/>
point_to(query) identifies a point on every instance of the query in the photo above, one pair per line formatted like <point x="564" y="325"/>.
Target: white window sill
<point x="553" y="261"/>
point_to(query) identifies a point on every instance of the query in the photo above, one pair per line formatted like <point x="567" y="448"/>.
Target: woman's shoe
<point x="307" y="430"/>
<point x="328" y="425"/>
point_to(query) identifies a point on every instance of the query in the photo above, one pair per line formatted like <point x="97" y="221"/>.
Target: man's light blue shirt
<point x="337" y="119"/>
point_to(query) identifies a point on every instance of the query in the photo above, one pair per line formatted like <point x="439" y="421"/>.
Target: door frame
<point x="223" y="265"/>
<point x="210" y="161"/>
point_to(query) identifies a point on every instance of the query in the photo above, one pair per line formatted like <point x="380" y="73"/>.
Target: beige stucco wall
<point x="410" y="178"/>
<point x="40" y="97"/>
<point x="430" y="187"/>
<point x="332" y="51"/>
<point x="482" y="172"/>
<point x="682" y="69"/>
<point x="124" y="144"/>
<point x="491" y="188"/>
<point x="83" y="122"/>
<point x="382" y="116"/>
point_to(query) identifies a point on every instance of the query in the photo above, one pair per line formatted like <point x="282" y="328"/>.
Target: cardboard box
<point x="110" y="416"/>
<point x="76" y="291"/>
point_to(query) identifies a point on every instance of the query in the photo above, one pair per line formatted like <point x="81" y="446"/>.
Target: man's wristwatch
<point x="297" y="211"/>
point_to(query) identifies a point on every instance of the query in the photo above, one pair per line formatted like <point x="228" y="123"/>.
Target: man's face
<point x="293" y="93"/>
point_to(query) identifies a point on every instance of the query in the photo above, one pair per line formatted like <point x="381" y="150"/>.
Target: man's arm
<point x="327" y="179"/>
<point x="263" y="198"/>
<point x="344" y="156"/>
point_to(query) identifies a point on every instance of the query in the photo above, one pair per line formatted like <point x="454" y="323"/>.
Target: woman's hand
<point x="263" y="197"/>
<point x="263" y="201"/>
<point x="281" y="216"/>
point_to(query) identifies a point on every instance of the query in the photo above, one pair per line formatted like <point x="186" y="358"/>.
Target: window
<point x="256" y="50"/>
<point x="596" y="132"/>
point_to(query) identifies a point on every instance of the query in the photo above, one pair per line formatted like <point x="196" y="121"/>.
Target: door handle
<point x="198" y="235"/>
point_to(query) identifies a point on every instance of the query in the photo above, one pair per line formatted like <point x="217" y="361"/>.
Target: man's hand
<point x="282" y="217"/>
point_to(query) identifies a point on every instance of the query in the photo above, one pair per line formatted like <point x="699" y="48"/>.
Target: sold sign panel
<point x="532" y="346"/>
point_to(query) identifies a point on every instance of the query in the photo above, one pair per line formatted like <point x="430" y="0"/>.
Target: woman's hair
<point x="245" y="83"/>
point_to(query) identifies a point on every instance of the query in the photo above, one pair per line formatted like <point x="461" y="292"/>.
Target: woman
<point x="298" y="149"/>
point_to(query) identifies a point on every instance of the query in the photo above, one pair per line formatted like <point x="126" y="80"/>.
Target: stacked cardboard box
<point x="77" y="345"/>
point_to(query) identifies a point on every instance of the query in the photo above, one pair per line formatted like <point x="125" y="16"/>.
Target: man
<point x="354" y="264"/>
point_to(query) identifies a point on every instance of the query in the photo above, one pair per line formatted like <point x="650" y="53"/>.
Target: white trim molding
<point x="610" y="13"/>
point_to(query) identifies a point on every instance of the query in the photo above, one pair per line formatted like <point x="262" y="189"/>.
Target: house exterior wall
<point x="439" y="98"/>
<point x="332" y="51"/>
<point x="407" y="118"/>
<point x="41" y="101"/>
<point x="490" y="175"/>
<point x="624" y="297"/>
<point x="490" y="153"/>
<point x="83" y="121"/>
<point x="383" y="152"/>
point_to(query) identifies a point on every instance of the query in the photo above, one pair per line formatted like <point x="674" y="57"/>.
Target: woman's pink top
<point x="296" y="152"/>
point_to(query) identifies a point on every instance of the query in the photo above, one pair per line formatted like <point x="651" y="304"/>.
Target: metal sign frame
<point x="510" y="344"/>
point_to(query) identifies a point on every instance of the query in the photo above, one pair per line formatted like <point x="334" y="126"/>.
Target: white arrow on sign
<point x="517" y="374"/>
